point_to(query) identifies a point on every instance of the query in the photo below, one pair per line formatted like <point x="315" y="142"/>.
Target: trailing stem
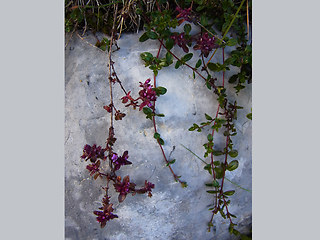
<point x="155" y="127"/>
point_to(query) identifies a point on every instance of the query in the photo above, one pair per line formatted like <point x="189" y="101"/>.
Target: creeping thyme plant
<point x="214" y="22"/>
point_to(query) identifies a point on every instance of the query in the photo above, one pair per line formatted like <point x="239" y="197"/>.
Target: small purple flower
<point x="181" y="41"/>
<point x="124" y="187"/>
<point x="94" y="167"/>
<point x="184" y="14"/>
<point x="205" y="44"/>
<point x="126" y="98"/>
<point x="120" y="161"/>
<point x="147" y="188"/>
<point x="105" y="215"/>
<point x="93" y="153"/>
<point x="147" y="94"/>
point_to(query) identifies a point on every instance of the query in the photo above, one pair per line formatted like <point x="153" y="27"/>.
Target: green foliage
<point x="154" y="63"/>
<point x="233" y="153"/>
<point x="170" y="162"/>
<point x="104" y="44"/>
<point x="187" y="28"/>
<point x="233" y="165"/>
<point x="160" y="90"/>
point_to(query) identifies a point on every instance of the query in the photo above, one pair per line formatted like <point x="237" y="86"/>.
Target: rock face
<point x="172" y="212"/>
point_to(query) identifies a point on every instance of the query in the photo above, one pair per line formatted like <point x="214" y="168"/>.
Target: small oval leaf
<point x="233" y="165"/>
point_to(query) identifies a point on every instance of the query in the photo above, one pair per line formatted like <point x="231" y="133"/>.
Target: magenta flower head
<point x="124" y="187"/>
<point x="94" y="167"/>
<point x="147" y="94"/>
<point x="184" y="14"/>
<point x="205" y="44"/>
<point x="147" y="188"/>
<point x="93" y="153"/>
<point x="120" y="161"/>
<point x="181" y="41"/>
<point x="105" y="215"/>
<point x="126" y="98"/>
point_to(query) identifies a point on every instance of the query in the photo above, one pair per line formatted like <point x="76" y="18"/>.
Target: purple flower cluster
<point x="124" y="187"/>
<point x="147" y="188"/>
<point x="205" y="44"/>
<point x="126" y="98"/>
<point x="147" y="94"/>
<point x="106" y="213"/>
<point x="181" y="41"/>
<point x="184" y="14"/>
<point x="120" y="161"/>
<point x="94" y="167"/>
<point x="93" y="153"/>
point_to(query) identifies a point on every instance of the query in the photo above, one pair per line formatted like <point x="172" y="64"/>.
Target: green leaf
<point x="215" y="183"/>
<point x="187" y="57"/>
<point x="212" y="191"/>
<point x="233" y="153"/>
<point x="187" y="28"/>
<point x="169" y="44"/>
<point x="219" y="172"/>
<point x="152" y="35"/>
<point x="178" y="64"/>
<point x="232" y="42"/>
<point x="215" y="67"/>
<point x="146" y="56"/>
<point x="160" y="90"/>
<point x="161" y="141"/>
<point x="169" y="58"/>
<point x="249" y="116"/>
<point x="233" y="165"/>
<point x="156" y="135"/>
<point x="184" y="184"/>
<point x="160" y="115"/>
<point x="204" y="20"/>
<point x="210" y="137"/>
<point x="233" y="78"/>
<point x="207" y="117"/>
<point x="222" y="214"/>
<point x="144" y="37"/>
<point x="217" y="153"/>
<point x="147" y="110"/>
<point x="198" y="64"/>
<point x="170" y="162"/>
<point x="216" y="163"/>
<point x="229" y="193"/>
<point x="194" y="75"/>
<point x="208" y="168"/>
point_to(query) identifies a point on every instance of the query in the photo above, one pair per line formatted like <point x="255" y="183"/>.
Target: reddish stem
<point x="155" y="126"/>
<point x="193" y="69"/>
<point x="212" y="165"/>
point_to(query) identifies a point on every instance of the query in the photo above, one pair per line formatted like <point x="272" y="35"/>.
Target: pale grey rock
<point x="172" y="212"/>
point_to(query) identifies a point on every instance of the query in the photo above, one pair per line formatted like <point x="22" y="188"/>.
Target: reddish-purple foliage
<point x="93" y="153"/>
<point x="120" y="161"/>
<point x="205" y="44"/>
<point x="124" y="187"/>
<point x="184" y="14"/>
<point x="147" y="94"/>
<point x="181" y="41"/>
<point x="106" y="213"/>
<point x="94" y="168"/>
